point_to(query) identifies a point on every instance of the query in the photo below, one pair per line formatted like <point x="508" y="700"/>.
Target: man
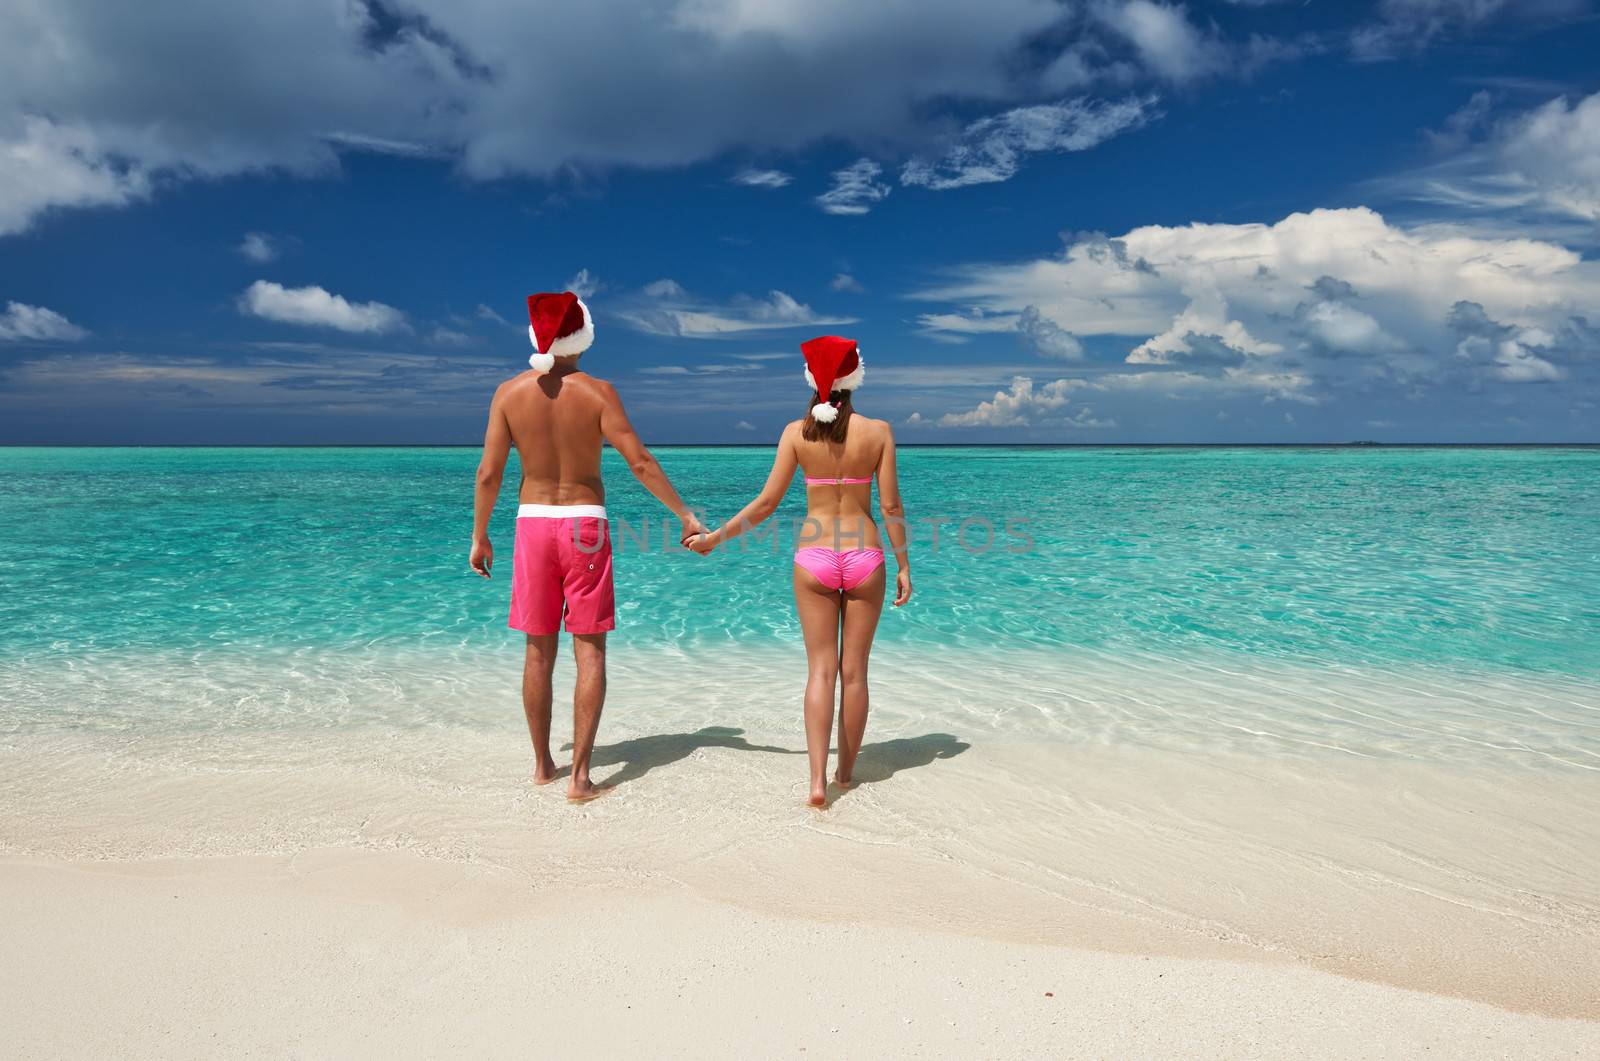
<point x="556" y="415"/>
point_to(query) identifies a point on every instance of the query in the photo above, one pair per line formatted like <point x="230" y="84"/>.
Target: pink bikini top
<point x="836" y="482"/>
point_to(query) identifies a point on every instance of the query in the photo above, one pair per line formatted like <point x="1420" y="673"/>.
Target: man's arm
<point x="491" y="469"/>
<point x="620" y="434"/>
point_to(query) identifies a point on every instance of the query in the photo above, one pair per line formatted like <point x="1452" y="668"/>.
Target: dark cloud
<point x="1044" y="336"/>
<point x="106" y="103"/>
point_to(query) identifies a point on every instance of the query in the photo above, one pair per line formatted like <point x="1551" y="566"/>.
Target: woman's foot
<point x="819" y="794"/>
<point x="842" y="779"/>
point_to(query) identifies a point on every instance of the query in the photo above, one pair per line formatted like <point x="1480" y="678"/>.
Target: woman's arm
<point x="766" y="502"/>
<point x="894" y="517"/>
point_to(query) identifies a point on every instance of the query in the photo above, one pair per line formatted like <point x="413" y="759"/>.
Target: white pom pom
<point x="824" y="413"/>
<point x="542" y="363"/>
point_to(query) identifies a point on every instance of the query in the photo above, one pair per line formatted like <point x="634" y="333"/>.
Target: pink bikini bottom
<point x="839" y="569"/>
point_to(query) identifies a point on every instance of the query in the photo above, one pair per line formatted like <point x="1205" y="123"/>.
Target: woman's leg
<point x="862" y="606"/>
<point x="819" y="620"/>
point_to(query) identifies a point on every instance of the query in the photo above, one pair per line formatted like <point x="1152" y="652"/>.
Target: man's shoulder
<point x="590" y="390"/>
<point x="595" y="382"/>
<point x="517" y="382"/>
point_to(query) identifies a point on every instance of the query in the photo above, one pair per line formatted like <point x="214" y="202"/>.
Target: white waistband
<point x="561" y="511"/>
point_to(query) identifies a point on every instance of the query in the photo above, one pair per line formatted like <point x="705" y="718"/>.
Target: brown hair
<point x="815" y="429"/>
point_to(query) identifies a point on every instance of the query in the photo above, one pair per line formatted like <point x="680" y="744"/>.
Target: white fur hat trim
<point x="566" y="346"/>
<point x="847" y="383"/>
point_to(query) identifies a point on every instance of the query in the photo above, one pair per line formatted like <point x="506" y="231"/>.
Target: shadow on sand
<point x="878" y="761"/>
<point x="643" y="754"/>
<point x="881" y="760"/>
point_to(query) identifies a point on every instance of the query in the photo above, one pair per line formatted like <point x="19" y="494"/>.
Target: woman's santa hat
<point x="832" y="364"/>
<point x="559" y="325"/>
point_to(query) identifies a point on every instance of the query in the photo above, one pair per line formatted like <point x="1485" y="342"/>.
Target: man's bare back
<point x="555" y="423"/>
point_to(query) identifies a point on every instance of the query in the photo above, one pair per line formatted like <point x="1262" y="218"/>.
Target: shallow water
<point x="1439" y="605"/>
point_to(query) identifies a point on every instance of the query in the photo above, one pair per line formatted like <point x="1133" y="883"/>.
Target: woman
<point x="838" y="568"/>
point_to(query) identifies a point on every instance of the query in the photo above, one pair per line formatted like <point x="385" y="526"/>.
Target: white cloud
<point x="855" y="189"/>
<point x="24" y="323"/>
<point x="1167" y="42"/>
<point x="45" y="164"/>
<point x="665" y="308"/>
<point x="1314" y="301"/>
<point x="762" y="178"/>
<point x="258" y="247"/>
<point x="1460" y="127"/>
<point x="1552" y="155"/>
<point x="486" y="313"/>
<point x="991" y="149"/>
<point x="585" y="284"/>
<point x="1022" y="405"/>
<point x="1334" y="325"/>
<point x="1202" y="332"/>
<point x="1410" y="25"/>
<point x="847" y="283"/>
<point x="959" y="327"/>
<point x="1518" y="363"/>
<point x="449" y="337"/>
<point x="665" y="289"/>
<point x="317" y="307"/>
<point x="1545" y="161"/>
<point x="744" y="425"/>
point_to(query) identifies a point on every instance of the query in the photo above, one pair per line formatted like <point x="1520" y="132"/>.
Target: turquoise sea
<point x="1436" y="604"/>
<point x="1478" y="558"/>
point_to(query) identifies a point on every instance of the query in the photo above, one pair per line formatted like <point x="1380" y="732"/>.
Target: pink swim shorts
<point x="562" y="563"/>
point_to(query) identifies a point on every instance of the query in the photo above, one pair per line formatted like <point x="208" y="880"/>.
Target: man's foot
<point x="544" y="772"/>
<point x="585" y="790"/>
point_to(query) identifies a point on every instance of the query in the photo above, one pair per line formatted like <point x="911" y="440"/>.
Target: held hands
<point x="695" y="537"/>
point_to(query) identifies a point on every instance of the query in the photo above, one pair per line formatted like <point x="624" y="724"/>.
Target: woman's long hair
<point x="814" y="429"/>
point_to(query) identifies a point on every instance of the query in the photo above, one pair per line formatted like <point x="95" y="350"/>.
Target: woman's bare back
<point x="840" y="515"/>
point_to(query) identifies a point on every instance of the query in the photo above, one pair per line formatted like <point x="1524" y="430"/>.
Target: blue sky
<point x="1101" y="221"/>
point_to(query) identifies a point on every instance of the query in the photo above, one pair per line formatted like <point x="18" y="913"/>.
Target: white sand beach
<point x="354" y="887"/>
<point x="339" y="954"/>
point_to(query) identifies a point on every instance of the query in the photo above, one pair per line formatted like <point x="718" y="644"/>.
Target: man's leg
<point x="588" y="697"/>
<point x="537" y="666"/>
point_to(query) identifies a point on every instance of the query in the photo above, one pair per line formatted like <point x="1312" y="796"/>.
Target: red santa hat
<point x="559" y="325"/>
<point x="832" y="364"/>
